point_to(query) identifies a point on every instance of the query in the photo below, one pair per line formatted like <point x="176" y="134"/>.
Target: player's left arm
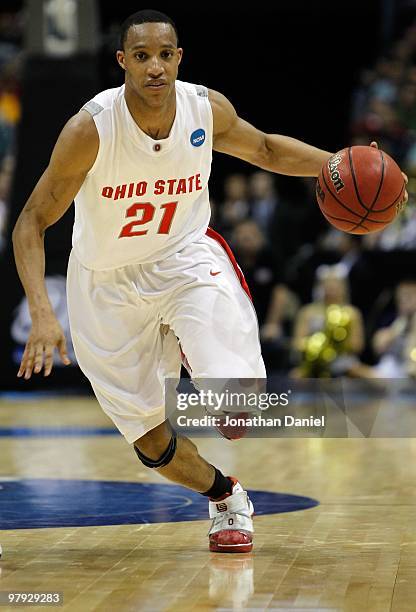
<point x="273" y="152"/>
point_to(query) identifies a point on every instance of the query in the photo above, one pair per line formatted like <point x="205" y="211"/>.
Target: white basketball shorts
<point x="116" y="316"/>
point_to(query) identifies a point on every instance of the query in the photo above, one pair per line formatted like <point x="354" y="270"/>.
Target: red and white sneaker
<point x="232" y="526"/>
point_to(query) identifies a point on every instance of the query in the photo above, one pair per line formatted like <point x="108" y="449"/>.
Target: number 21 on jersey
<point x="146" y="210"/>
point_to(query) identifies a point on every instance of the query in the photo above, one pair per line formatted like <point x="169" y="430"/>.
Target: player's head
<point x="149" y="54"/>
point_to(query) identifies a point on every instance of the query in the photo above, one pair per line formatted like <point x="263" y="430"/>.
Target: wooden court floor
<point x="355" y="551"/>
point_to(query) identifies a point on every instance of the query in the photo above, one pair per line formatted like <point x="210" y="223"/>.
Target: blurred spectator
<point x="6" y="172"/>
<point x="406" y="106"/>
<point x="380" y="122"/>
<point x="10" y="76"/>
<point x="401" y="234"/>
<point x="349" y="250"/>
<point x="258" y="264"/>
<point x="402" y="51"/>
<point x="411" y="75"/>
<point x="385" y="110"/>
<point x="410" y="160"/>
<point x="388" y="76"/>
<point x="275" y="305"/>
<point x="329" y="333"/>
<point x="9" y="109"/>
<point x="10" y="71"/>
<point x="384" y="103"/>
<point x="298" y="220"/>
<point x="235" y="207"/>
<point x="263" y="199"/>
<point x="301" y="269"/>
<point x="395" y="345"/>
<point x="361" y="96"/>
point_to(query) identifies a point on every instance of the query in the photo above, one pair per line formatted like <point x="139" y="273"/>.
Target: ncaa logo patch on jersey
<point x="198" y="138"/>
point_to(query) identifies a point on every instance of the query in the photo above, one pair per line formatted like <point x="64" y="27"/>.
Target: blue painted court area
<point x="36" y="503"/>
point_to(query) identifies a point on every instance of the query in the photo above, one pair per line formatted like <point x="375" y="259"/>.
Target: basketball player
<point x="147" y="279"/>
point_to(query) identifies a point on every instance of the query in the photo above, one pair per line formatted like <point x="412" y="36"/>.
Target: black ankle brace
<point x="221" y="486"/>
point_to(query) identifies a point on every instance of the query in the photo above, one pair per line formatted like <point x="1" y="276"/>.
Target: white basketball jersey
<point x="144" y="199"/>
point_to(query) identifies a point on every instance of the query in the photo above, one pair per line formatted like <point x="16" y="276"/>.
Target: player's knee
<point x="157" y="447"/>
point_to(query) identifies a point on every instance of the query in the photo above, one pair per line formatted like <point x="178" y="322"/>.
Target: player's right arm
<point x="72" y="157"/>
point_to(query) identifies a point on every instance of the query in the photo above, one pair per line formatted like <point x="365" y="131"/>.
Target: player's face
<point x="151" y="59"/>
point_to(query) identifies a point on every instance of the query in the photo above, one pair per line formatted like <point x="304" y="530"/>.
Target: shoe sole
<point x="230" y="548"/>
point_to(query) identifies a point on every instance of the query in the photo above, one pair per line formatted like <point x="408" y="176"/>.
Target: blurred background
<point x="332" y="74"/>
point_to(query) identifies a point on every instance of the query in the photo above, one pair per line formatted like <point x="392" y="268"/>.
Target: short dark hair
<point x="145" y="16"/>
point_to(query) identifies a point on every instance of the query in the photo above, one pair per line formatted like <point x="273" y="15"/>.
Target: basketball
<point x="360" y="190"/>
